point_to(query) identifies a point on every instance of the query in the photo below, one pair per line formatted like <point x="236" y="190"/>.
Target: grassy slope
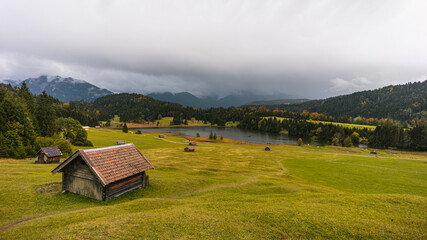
<point x="227" y="191"/>
<point x="348" y="125"/>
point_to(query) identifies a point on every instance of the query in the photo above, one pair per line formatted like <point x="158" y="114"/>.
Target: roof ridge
<point x="105" y="148"/>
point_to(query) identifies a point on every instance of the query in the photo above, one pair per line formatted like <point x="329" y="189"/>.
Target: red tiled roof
<point x="190" y="148"/>
<point x="111" y="164"/>
<point x="117" y="162"/>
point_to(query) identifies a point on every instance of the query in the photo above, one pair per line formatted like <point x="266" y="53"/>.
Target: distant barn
<point x="48" y="155"/>
<point x="192" y="144"/>
<point x="97" y="127"/>
<point x="121" y="142"/>
<point x="103" y="173"/>
<point x="268" y="148"/>
<point x="189" y="149"/>
<point x="161" y="136"/>
<point x="374" y="152"/>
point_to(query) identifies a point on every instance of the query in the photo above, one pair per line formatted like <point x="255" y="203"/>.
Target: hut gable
<point x="48" y="155"/>
<point x="117" y="169"/>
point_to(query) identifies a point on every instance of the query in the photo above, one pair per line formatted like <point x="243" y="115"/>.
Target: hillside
<point x="400" y="102"/>
<point x="64" y="89"/>
<point x="134" y="107"/>
<point x="226" y="191"/>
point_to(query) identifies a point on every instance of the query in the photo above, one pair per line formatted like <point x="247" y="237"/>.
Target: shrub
<point x="347" y="142"/>
<point x="355" y="138"/>
<point x="300" y="142"/>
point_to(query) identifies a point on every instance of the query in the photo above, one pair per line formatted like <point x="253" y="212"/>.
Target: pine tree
<point x="45" y="115"/>
<point x="125" y="128"/>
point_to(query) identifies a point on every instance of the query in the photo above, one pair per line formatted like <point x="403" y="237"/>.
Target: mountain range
<point x="64" y="89"/>
<point x="70" y="89"/>
<point x="238" y="99"/>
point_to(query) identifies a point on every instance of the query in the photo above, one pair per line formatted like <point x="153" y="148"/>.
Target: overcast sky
<point x="310" y="49"/>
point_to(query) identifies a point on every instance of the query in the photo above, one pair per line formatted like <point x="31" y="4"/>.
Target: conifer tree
<point x="45" y="115"/>
<point x="125" y="128"/>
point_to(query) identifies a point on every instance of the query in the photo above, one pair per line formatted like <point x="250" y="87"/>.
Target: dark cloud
<point x="303" y="48"/>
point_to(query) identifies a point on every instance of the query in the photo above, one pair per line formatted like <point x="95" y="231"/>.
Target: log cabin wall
<point x="120" y="187"/>
<point x="40" y="157"/>
<point x="78" y="178"/>
<point x="53" y="159"/>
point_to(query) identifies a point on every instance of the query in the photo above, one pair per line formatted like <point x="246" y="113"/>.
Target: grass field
<point x="227" y="191"/>
<point x="347" y="125"/>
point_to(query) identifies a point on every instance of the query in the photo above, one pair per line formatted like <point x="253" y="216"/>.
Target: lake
<point x="228" y="132"/>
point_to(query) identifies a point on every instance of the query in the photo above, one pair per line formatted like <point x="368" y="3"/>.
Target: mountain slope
<point x="400" y="102"/>
<point x="188" y="99"/>
<point x="277" y="102"/>
<point x="136" y="107"/>
<point x="65" y="89"/>
<point x="183" y="98"/>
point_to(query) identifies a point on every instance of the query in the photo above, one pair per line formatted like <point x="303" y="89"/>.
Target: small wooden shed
<point x="121" y="142"/>
<point x="374" y="152"/>
<point x="161" y="136"/>
<point x="189" y="149"/>
<point x="192" y="144"/>
<point x="268" y="148"/>
<point x="103" y="173"/>
<point x="48" y="155"/>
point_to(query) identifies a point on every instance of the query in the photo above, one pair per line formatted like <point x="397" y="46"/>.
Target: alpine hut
<point x="268" y="148"/>
<point x="192" y="144"/>
<point x="189" y="149"/>
<point x="103" y="173"/>
<point x="48" y="155"/>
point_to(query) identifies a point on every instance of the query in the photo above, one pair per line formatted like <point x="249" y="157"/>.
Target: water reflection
<point x="234" y="133"/>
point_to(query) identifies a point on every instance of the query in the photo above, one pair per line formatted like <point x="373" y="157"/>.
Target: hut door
<point x="45" y="158"/>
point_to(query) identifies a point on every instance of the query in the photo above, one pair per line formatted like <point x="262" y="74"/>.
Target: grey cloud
<point x="304" y="48"/>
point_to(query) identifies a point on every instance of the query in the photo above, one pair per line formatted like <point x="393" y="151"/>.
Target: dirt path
<point x="6" y="227"/>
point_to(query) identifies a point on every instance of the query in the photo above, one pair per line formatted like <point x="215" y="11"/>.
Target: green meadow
<point x="227" y="191"/>
<point x="347" y="125"/>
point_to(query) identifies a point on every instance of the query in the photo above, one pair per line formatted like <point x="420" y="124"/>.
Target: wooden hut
<point x="103" y="173"/>
<point x="374" y="152"/>
<point x="48" y="155"/>
<point x="121" y="142"/>
<point x="161" y="136"/>
<point x="192" y="144"/>
<point x="189" y="149"/>
<point x="97" y="127"/>
<point x="268" y="148"/>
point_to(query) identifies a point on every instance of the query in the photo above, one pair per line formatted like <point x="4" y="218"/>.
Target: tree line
<point x="29" y="122"/>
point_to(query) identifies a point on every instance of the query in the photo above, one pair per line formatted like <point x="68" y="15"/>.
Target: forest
<point x="399" y="102"/>
<point x="28" y="122"/>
